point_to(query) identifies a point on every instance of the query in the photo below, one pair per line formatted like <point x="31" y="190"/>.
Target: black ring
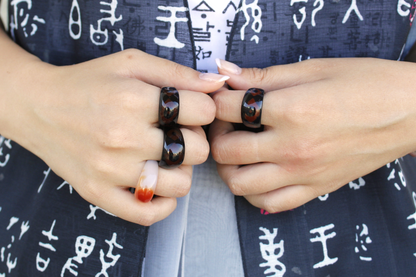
<point x="168" y="107"/>
<point x="173" y="148"/>
<point x="251" y="108"/>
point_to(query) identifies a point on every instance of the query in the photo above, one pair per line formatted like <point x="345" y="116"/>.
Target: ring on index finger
<point x="251" y="107"/>
<point x="168" y="107"/>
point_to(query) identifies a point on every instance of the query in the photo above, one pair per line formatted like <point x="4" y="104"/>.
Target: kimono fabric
<point x="366" y="228"/>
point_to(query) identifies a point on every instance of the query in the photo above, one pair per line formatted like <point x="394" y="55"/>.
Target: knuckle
<point x="236" y="186"/>
<point x="115" y="135"/>
<point x="296" y="113"/>
<point x="316" y="65"/>
<point x="102" y="166"/>
<point x="147" y="219"/>
<point x="127" y="57"/>
<point x="303" y="159"/>
<point x="130" y="54"/>
<point x="128" y="100"/>
<point x="222" y="107"/>
<point x="184" y="187"/>
<point x="301" y="152"/>
<point x="110" y="138"/>
<point x="92" y="193"/>
<point x="273" y="206"/>
<point x="202" y="152"/>
<point x="208" y="110"/>
<point x="259" y="75"/>
<point x="224" y="153"/>
<point x="218" y="152"/>
<point x="176" y="72"/>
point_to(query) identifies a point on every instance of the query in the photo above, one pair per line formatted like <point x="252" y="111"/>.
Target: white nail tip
<point x="213" y="77"/>
<point x="218" y="62"/>
<point x="224" y="78"/>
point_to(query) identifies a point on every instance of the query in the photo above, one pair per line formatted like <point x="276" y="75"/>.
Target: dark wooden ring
<point x="251" y="108"/>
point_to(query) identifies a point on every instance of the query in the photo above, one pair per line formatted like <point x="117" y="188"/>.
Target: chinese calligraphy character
<point x="171" y="41"/>
<point x="392" y="175"/>
<point x="114" y="258"/>
<point x="93" y="210"/>
<point x="46" y="173"/>
<point x="413" y="216"/>
<point x="357" y="185"/>
<point x="21" y="18"/>
<point x="83" y="248"/>
<point x="7" y="143"/>
<point x="42" y="264"/>
<point x="257" y="24"/>
<point x="362" y="239"/>
<point x="354" y="8"/>
<point x="268" y="252"/>
<point x="99" y="36"/>
<point x="75" y="12"/>
<point x="322" y="238"/>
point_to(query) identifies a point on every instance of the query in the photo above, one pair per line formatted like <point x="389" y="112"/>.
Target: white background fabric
<point x="206" y="219"/>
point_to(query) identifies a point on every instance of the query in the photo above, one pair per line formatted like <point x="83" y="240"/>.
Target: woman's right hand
<point x="96" y="123"/>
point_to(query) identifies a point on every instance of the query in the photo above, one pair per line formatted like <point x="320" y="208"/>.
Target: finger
<point x="195" y="108"/>
<point x="122" y="203"/>
<point x="155" y="180"/>
<point x="254" y="179"/>
<point x="224" y="87"/>
<point x="164" y="73"/>
<point x="174" y="182"/>
<point x="239" y="147"/>
<point x="283" y="199"/>
<point x="274" y="77"/>
<point x="196" y="145"/>
<point x="228" y="106"/>
<point x="124" y="167"/>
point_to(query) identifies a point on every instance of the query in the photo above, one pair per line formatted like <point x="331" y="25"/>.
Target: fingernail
<point x="227" y="66"/>
<point x="212" y="77"/>
<point x="147" y="182"/>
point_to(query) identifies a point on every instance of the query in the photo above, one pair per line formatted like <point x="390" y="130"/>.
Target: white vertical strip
<point x="212" y="244"/>
<point x="165" y="242"/>
<point x="4" y="13"/>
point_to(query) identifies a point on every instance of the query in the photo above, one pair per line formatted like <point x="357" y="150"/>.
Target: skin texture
<point x="327" y="122"/>
<point x="95" y="123"/>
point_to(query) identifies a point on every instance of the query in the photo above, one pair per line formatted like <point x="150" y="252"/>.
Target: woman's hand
<point x="327" y="122"/>
<point x="96" y="123"/>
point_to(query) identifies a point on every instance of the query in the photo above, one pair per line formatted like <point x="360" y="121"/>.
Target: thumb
<point x="269" y="78"/>
<point x="164" y="73"/>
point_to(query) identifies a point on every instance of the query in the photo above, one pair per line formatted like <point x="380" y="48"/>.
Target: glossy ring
<point x="146" y="185"/>
<point x="251" y="108"/>
<point x="168" y="107"/>
<point x="173" y="148"/>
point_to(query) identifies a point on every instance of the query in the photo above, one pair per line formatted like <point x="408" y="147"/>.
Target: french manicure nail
<point x="147" y="182"/>
<point x="212" y="77"/>
<point x="227" y="66"/>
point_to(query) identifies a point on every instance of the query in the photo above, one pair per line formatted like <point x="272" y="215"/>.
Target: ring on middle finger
<point x="168" y="107"/>
<point x="173" y="152"/>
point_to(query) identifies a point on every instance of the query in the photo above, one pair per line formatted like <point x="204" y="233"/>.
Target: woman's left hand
<point x="327" y="122"/>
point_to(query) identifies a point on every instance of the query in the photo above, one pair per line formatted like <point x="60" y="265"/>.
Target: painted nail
<point x="147" y="182"/>
<point x="212" y="77"/>
<point x="227" y="66"/>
